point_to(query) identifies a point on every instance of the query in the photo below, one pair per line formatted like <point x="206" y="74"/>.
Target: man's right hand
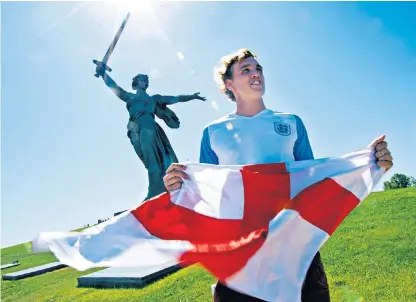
<point x="174" y="177"/>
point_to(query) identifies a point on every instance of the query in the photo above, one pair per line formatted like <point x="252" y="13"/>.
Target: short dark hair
<point x="223" y="71"/>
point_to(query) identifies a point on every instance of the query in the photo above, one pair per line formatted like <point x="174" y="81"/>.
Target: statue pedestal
<point x="131" y="277"/>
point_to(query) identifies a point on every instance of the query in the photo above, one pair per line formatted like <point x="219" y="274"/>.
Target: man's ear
<point x="229" y="85"/>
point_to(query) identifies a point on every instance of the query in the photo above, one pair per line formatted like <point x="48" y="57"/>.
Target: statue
<point x="147" y="137"/>
<point x="149" y="140"/>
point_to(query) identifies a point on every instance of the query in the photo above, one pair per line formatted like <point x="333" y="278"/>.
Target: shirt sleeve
<point x="207" y="155"/>
<point x="302" y="149"/>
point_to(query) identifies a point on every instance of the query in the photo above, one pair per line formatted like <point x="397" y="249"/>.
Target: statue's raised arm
<point x="118" y="91"/>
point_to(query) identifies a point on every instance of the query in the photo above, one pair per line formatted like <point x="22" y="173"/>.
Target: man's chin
<point x="257" y="87"/>
<point x="257" y="92"/>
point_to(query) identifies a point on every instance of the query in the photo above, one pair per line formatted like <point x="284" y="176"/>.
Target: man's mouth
<point x="255" y="83"/>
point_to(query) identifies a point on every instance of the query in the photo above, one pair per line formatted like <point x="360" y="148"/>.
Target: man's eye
<point x="245" y="70"/>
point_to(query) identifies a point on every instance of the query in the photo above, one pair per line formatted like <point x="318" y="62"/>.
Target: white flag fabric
<point x="255" y="227"/>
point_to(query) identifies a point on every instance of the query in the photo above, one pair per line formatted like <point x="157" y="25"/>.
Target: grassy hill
<point x="371" y="257"/>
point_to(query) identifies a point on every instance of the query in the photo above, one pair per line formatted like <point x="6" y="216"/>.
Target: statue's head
<point x="140" y="81"/>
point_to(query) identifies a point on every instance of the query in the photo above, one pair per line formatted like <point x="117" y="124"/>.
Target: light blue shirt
<point x="267" y="137"/>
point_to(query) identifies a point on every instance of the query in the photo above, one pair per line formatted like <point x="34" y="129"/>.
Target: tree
<point x="398" y="181"/>
<point x="387" y="185"/>
<point x="412" y="181"/>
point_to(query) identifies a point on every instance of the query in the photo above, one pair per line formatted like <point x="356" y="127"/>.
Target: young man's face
<point x="247" y="79"/>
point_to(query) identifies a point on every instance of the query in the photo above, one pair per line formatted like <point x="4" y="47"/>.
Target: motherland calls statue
<point x="147" y="137"/>
<point x="149" y="140"/>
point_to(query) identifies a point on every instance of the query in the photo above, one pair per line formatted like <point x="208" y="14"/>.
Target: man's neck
<point x="249" y="108"/>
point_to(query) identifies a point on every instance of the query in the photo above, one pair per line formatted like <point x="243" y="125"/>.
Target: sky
<point x="347" y="69"/>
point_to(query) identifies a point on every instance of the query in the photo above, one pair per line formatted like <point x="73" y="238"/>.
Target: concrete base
<point x="9" y="265"/>
<point x="34" y="271"/>
<point x="127" y="277"/>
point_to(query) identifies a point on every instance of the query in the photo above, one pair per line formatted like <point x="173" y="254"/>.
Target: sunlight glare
<point x="214" y="105"/>
<point x="132" y="6"/>
<point x="180" y="55"/>
<point x="146" y="15"/>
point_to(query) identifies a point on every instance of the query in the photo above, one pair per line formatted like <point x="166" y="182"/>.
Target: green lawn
<point x="371" y="257"/>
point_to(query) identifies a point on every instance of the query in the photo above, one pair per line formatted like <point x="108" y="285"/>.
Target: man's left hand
<point x="383" y="155"/>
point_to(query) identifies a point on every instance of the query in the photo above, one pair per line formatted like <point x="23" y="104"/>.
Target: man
<point x="149" y="140"/>
<point x="254" y="134"/>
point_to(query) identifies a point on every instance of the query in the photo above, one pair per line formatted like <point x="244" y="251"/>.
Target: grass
<point x="371" y="257"/>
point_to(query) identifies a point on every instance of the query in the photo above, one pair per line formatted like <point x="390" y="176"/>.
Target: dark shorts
<point x="315" y="288"/>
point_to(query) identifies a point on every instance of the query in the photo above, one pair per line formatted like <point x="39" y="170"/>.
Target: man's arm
<point x="302" y="149"/>
<point x="170" y="99"/>
<point x="207" y="155"/>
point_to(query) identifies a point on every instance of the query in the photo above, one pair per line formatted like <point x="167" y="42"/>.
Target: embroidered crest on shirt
<point x="282" y="128"/>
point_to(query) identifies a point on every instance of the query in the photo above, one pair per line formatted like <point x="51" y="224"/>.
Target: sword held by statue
<point x="111" y="48"/>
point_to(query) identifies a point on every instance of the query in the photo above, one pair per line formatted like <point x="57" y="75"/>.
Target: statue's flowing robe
<point x="149" y="139"/>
